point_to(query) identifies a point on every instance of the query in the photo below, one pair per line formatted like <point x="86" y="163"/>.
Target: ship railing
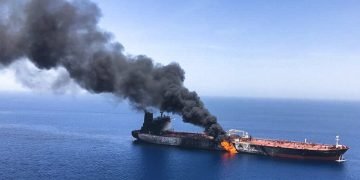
<point x="325" y="146"/>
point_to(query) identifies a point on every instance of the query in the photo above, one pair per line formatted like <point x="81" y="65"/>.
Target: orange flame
<point x="228" y="147"/>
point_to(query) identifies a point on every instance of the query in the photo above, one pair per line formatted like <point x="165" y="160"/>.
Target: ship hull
<point x="295" y="153"/>
<point x="185" y="140"/>
<point x="197" y="141"/>
<point x="154" y="131"/>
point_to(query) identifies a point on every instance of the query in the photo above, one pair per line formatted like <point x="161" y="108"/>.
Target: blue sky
<point x="287" y="49"/>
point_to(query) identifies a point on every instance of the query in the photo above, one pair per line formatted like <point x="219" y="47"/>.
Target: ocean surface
<point x="89" y="137"/>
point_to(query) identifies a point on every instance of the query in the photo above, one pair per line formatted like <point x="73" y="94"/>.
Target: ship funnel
<point x="148" y="118"/>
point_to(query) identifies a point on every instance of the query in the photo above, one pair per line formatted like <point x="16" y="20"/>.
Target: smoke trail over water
<point x="55" y="34"/>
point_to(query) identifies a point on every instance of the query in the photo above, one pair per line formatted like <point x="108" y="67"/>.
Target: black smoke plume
<point x="56" y="34"/>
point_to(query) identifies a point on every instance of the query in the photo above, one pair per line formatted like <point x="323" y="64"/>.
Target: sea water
<point x="89" y="137"/>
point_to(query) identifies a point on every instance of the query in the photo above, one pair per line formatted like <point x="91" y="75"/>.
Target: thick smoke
<point x="56" y="34"/>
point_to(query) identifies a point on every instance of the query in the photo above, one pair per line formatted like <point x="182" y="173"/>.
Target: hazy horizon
<point x="296" y="50"/>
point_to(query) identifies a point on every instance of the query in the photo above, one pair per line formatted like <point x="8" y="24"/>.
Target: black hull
<point x="185" y="142"/>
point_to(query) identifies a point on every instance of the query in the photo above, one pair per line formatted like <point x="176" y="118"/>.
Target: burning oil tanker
<point x="62" y="39"/>
<point x="154" y="130"/>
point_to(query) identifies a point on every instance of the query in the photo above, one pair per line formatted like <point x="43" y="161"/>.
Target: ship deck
<point x="293" y="144"/>
<point x="187" y="135"/>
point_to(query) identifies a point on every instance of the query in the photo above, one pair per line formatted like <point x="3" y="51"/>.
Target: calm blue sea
<point x="88" y="137"/>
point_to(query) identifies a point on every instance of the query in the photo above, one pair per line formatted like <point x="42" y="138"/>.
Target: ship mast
<point x="337" y="138"/>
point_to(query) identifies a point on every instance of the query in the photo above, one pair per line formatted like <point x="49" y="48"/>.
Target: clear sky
<point x="287" y="49"/>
